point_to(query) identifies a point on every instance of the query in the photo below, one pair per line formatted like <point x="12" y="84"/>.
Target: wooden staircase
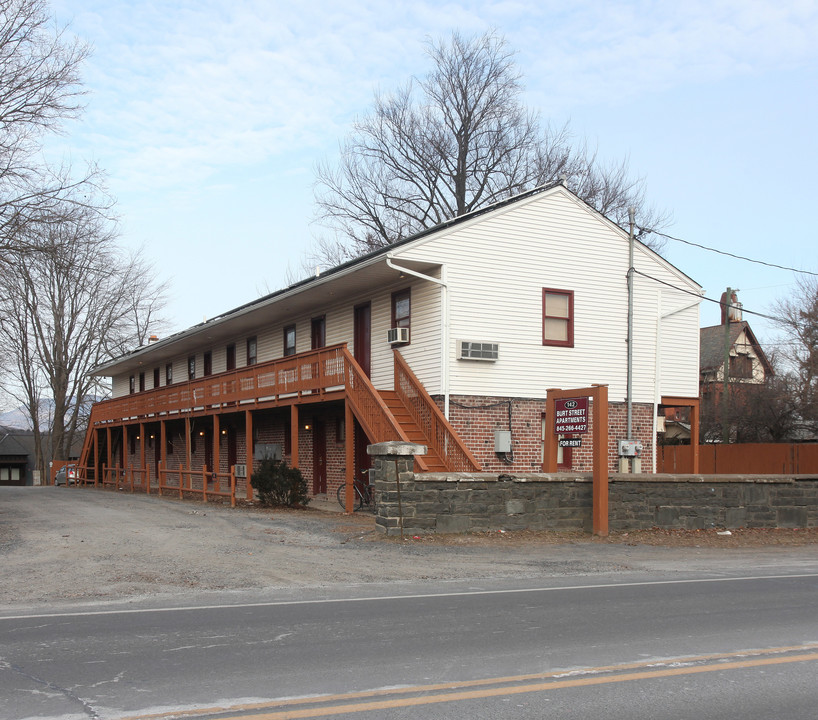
<point x="434" y="461"/>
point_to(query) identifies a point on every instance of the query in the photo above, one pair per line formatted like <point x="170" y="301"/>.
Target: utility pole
<point x="724" y="405"/>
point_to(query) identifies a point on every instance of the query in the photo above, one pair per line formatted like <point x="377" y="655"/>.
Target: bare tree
<point x="455" y="141"/>
<point x="798" y="319"/>
<point x="39" y="88"/>
<point x="65" y="309"/>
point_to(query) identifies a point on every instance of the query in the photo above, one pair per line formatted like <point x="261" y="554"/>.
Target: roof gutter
<point x="444" y="323"/>
<point x="272" y="299"/>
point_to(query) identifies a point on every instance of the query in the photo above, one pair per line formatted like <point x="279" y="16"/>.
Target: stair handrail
<point x="437" y="430"/>
<point x="369" y="408"/>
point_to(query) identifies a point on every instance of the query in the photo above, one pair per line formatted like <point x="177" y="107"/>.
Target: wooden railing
<point x="182" y="481"/>
<point x="302" y="376"/>
<point x="433" y="424"/>
<point x="369" y="408"/>
<point x="296" y="376"/>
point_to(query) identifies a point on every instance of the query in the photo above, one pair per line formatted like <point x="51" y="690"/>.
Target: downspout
<point x="444" y="324"/>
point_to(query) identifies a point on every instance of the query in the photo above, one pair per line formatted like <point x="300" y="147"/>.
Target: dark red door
<point x="208" y="448"/>
<point x="318" y="332"/>
<point x="362" y="336"/>
<point x="231" y="447"/>
<point x="319" y="458"/>
<point x="363" y="461"/>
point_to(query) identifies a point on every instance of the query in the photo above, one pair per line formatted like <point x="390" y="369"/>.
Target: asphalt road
<point x="680" y="645"/>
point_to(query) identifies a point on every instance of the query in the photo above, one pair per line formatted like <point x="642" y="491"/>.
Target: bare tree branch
<point x="39" y="88"/>
<point x="455" y="141"/>
<point x="73" y="304"/>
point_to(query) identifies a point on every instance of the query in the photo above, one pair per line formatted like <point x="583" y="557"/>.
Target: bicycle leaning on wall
<point x="363" y="494"/>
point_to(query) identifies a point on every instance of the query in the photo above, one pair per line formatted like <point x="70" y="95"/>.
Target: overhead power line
<point x="729" y="254"/>
<point x="702" y="297"/>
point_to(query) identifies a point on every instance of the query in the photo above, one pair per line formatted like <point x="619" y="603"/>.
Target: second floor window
<point x="251" y="350"/>
<point x="191" y="367"/>
<point x="289" y="340"/>
<point x="132" y="384"/>
<point x="402" y="309"/>
<point x="169" y="374"/>
<point x="208" y="363"/>
<point x="558" y="317"/>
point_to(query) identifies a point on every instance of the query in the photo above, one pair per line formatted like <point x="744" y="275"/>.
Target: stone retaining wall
<point x="460" y="502"/>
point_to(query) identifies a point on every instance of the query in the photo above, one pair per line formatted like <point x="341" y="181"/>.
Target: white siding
<point x="497" y="266"/>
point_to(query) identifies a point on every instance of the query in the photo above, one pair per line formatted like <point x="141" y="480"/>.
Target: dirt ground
<point x="81" y="545"/>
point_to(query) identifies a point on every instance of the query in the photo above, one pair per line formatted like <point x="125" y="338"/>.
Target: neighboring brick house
<point x="450" y="338"/>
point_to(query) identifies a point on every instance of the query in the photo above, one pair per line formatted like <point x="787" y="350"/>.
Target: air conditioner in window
<point x="488" y="352"/>
<point x="397" y="335"/>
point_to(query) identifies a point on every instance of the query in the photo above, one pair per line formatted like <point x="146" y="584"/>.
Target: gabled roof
<point x="711" y="346"/>
<point x="367" y="268"/>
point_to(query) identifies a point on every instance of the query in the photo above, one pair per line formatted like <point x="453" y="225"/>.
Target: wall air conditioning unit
<point x="241" y="470"/>
<point x="397" y="335"/>
<point x="488" y="352"/>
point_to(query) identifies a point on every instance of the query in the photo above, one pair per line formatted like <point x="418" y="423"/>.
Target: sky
<point x="209" y="117"/>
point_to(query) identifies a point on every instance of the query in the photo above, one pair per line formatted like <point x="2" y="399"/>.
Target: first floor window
<point x="558" y="317"/>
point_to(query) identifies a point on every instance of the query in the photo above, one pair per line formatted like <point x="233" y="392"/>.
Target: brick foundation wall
<point x="475" y="419"/>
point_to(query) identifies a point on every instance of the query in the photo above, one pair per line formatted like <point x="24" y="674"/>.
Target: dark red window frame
<point x="570" y="319"/>
<point x="252" y="350"/>
<point x="191" y="367"/>
<point x="169" y="374"/>
<point x="289" y="349"/>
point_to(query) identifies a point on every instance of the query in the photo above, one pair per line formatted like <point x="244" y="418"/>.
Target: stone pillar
<point x="392" y="472"/>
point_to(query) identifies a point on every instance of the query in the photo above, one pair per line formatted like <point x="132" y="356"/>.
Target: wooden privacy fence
<point x="740" y="459"/>
<point x="182" y="481"/>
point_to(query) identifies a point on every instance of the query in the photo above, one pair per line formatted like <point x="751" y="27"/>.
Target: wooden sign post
<point x="567" y="411"/>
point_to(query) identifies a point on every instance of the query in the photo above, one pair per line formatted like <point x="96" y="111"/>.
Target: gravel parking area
<point x="85" y="545"/>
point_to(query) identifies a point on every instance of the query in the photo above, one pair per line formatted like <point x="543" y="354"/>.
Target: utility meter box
<point x="630" y="448"/>
<point x="502" y="441"/>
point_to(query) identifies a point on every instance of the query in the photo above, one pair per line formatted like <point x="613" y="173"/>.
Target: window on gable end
<point x="558" y="317"/>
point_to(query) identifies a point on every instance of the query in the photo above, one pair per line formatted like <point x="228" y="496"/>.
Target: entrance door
<point x="208" y="448"/>
<point x="232" y="453"/>
<point x="318" y="332"/>
<point x="319" y="458"/>
<point x="363" y="460"/>
<point x="362" y="336"/>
